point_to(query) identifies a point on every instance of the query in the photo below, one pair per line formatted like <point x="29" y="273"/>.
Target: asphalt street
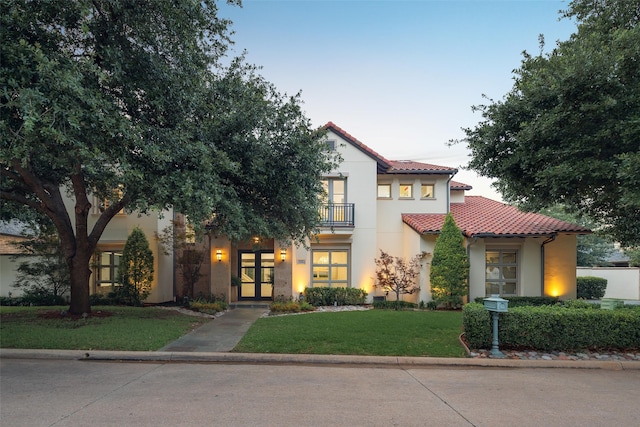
<point x="59" y="392"/>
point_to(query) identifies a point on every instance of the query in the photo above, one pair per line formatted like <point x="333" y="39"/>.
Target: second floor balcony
<point x="337" y="215"/>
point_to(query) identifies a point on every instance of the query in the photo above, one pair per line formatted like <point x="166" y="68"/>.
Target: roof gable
<point x="482" y="217"/>
<point x="383" y="163"/>
<point x="386" y="166"/>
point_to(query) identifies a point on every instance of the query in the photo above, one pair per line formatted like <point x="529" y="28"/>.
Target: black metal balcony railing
<point x="337" y="214"/>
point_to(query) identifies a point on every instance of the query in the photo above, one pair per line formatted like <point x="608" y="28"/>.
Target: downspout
<point x="549" y="240"/>
<point x="449" y="192"/>
<point x="475" y="240"/>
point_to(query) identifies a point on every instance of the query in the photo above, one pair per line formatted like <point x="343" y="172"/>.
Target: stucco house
<point x="372" y="204"/>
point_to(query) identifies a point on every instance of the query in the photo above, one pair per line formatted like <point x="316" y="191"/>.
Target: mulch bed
<point x="57" y="314"/>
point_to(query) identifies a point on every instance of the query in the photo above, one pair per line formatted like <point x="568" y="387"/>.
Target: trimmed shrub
<point x="208" y="307"/>
<point x="393" y="305"/>
<point x="590" y="287"/>
<point x="40" y="296"/>
<point x="290" y="306"/>
<point x="554" y="328"/>
<point x="334" y="296"/>
<point x="526" y="301"/>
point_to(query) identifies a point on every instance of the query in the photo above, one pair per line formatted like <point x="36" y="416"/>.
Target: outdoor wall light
<point x="283" y="254"/>
<point x="219" y="254"/>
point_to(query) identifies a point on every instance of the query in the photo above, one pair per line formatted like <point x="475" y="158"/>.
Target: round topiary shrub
<point x="590" y="287"/>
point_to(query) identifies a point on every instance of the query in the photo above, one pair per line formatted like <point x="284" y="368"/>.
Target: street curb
<point x="311" y="359"/>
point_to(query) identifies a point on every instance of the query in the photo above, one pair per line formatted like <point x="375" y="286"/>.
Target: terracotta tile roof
<point x="382" y="162"/>
<point x="455" y="185"/>
<point x="479" y="216"/>
<point x="409" y="166"/>
<point x="390" y="166"/>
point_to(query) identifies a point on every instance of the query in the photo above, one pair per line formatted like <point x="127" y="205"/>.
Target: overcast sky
<point x="400" y="76"/>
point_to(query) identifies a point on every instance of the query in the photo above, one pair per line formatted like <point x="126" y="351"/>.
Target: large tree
<point x="568" y="132"/>
<point x="592" y="249"/>
<point x="128" y="102"/>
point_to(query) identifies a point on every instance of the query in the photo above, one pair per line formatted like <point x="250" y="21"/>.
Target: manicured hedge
<point x="522" y="301"/>
<point x="554" y="328"/>
<point x="590" y="287"/>
<point x="331" y="296"/>
<point x="394" y="305"/>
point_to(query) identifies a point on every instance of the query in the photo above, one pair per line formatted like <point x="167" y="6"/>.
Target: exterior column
<point x="282" y="271"/>
<point x="220" y="269"/>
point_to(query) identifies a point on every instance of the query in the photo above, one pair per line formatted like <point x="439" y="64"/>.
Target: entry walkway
<point x="221" y="334"/>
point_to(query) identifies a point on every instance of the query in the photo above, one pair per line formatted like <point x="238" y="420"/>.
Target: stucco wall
<point x="560" y="259"/>
<point x="622" y="282"/>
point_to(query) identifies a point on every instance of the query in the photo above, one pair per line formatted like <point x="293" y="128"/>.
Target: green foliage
<point x="590" y="287"/>
<point x="395" y="274"/>
<point x="208" y="307"/>
<point x="394" y="305"/>
<point x="526" y="301"/>
<point x="338" y="296"/>
<point x="135" y="272"/>
<point x="551" y="138"/>
<point x="130" y="102"/>
<point x="37" y="296"/>
<point x="449" y="266"/>
<point x="634" y="256"/>
<point x="46" y="271"/>
<point x="592" y="249"/>
<point x="554" y="328"/>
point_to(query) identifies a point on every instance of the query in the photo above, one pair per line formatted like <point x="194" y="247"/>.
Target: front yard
<point x="372" y="332"/>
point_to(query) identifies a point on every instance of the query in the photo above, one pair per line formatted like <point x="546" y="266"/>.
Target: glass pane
<point x="248" y="259"/>
<point x="384" y="190"/>
<point x="116" y="258"/>
<point x="338" y="257"/>
<point x="267" y="275"/>
<point x="492" y="288"/>
<point x="338" y="186"/>
<point x="248" y="290"/>
<point x="105" y="258"/>
<point x="248" y="274"/>
<point x="406" y="190"/>
<point x="492" y="257"/>
<point x="320" y="257"/>
<point x="339" y="273"/>
<point x="267" y="259"/>
<point x="509" y="288"/>
<point x="509" y="272"/>
<point x="492" y="273"/>
<point x="426" y="191"/>
<point x="321" y="273"/>
<point x="266" y="290"/>
<point x="508" y="257"/>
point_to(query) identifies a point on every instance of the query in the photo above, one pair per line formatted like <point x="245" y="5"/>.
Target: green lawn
<point x="373" y="332"/>
<point x="127" y="328"/>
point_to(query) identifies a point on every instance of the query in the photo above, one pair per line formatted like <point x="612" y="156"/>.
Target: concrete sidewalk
<point x="219" y="335"/>
<point x="213" y="342"/>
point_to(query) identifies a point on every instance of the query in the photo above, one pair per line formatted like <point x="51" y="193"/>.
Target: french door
<point x="256" y="274"/>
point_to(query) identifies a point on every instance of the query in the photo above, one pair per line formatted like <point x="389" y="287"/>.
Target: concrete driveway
<point x="97" y="393"/>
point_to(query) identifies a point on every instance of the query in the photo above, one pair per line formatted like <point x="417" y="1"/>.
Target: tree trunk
<point x="80" y="274"/>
